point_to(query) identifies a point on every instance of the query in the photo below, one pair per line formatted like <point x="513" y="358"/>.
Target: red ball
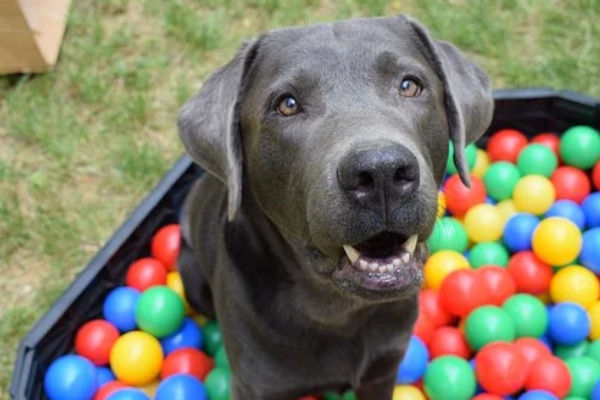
<point x="187" y="360"/>
<point x="308" y="398"/>
<point x="430" y="304"/>
<point x="505" y="145"/>
<point x="460" y="198"/>
<point x="570" y="183"/>
<point x="109" y="388"/>
<point x="165" y="245"/>
<point x="550" y="140"/>
<point x="145" y="273"/>
<point x="550" y="374"/>
<point x="530" y="274"/>
<point x="500" y="368"/>
<point x="497" y="284"/>
<point x="448" y="340"/>
<point x="95" y="339"/>
<point x="462" y="291"/>
<point x="532" y="350"/>
<point x="424" y="328"/>
<point x="487" y="396"/>
<point x="596" y="175"/>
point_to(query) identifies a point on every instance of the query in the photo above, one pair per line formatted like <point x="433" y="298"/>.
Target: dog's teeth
<point x="373" y="266"/>
<point x="363" y="264"/>
<point x="411" y="243"/>
<point x="389" y="268"/>
<point x="352" y="253"/>
<point x="396" y="262"/>
<point x="406" y="257"/>
<point x="382" y="269"/>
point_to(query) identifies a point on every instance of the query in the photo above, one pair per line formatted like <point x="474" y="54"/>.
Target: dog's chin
<point x="386" y="267"/>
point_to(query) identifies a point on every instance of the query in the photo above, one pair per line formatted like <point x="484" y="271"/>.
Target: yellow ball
<point x="174" y="282"/>
<point x="150" y="388"/>
<point x="200" y="319"/>
<point x="407" y="392"/>
<point x="594" y="313"/>
<point x="484" y="223"/>
<point x="556" y="241"/>
<point x="482" y="162"/>
<point x="575" y="283"/>
<point x="441" y="205"/>
<point x="534" y="194"/>
<point x="507" y="209"/>
<point x="136" y="358"/>
<point x="440" y="264"/>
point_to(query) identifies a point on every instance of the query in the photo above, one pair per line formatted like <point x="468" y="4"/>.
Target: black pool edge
<point x="25" y="351"/>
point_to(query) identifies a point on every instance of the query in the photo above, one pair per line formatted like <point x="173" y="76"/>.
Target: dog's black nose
<point x="379" y="177"/>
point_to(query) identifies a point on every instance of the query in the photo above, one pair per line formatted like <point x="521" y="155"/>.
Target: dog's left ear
<point x="209" y="125"/>
<point x="467" y="95"/>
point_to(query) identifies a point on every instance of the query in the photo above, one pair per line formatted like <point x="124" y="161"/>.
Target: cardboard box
<point x="31" y="32"/>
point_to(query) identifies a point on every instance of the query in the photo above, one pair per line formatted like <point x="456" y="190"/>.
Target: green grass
<point x="81" y="145"/>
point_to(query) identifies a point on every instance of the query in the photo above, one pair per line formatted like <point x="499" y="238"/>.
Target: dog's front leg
<point x="381" y="389"/>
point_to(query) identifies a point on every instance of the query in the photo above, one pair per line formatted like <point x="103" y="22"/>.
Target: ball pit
<point x="483" y="332"/>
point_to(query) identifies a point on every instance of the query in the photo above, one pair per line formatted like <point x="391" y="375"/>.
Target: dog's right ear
<point x="209" y="123"/>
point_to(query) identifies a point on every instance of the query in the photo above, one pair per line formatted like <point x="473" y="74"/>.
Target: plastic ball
<point x="532" y="349"/>
<point x="488" y="396"/>
<point x="407" y="392"/>
<point x="591" y="210"/>
<point x="575" y="283"/>
<point x="181" y="387"/>
<point x="165" y="245"/>
<point x="461" y="292"/>
<point x="550" y="140"/>
<point x="175" y="283"/>
<point x="460" y="198"/>
<point x="430" y="304"/>
<point x="518" y="231"/>
<point x="533" y="194"/>
<point x="413" y="365"/>
<point x="594" y="313"/>
<point x="159" y="311"/>
<point x="212" y="337"/>
<point x="580" y="146"/>
<point x="482" y="163"/>
<point x="424" y="328"/>
<point x="440" y="264"/>
<point x="585" y="372"/>
<point x="596" y="176"/>
<point x="590" y="250"/>
<point x="484" y="223"/>
<point x="449" y="340"/>
<point x="136" y="358"/>
<point x="221" y="359"/>
<point x="570" y="184"/>
<point x="575" y="350"/>
<point x="537" y="159"/>
<point x="528" y="314"/>
<point x="497" y="284"/>
<point x="505" y="145"/>
<point x="441" y="204"/>
<point x="593" y="350"/>
<point x="569" y="323"/>
<point x="538" y="395"/>
<point x="449" y="378"/>
<point x="488" y="253"/>
<point x="70" y="377"/>
<point x="488" y="324"/>
<point x="189" y="335"/>
<point x="217" y="384"/>
<point x="128" y="394"/>
<point x="108" y="389"/>
<point x="119" y="308"/>
<point x="568" y="209"/>
<point x="556" y="241"/>
<point x="104" y="375"/>
<point x="187" y="361"/>
<point x="470" y="155"/>
<point x="500" y="368"/>
<point x="95" y="339"/>
<point x="500" y="180"/>
<point x="448" y="234"/>
<point x="507" y="208"/>
<point x="145" y="273"/>
<point x="530" y="274"/>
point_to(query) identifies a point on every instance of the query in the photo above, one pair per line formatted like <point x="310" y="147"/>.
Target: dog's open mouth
<point x="386" y="262"/>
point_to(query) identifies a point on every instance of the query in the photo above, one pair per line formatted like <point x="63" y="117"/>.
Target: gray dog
<point x="325" y="147"/>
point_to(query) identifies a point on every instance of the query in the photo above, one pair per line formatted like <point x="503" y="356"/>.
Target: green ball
<point x="537" y="159"/>
<point x="488" y="324"/>
<point x="593" y="350"/>
<point x="585" y="372"/>
<point x="221" y="359"/>
<point x="449" y="378"/>
<point x="574" y="398"/>
<point x="470" y="154"/>
<point x="580" y="146"/>
<point x="212" y="337"/>
<point x="528" y="314"/>
<point x="349" y="395"/>
<point x="576" y="350"/>
<point x="500" y="180"/>
<point x="448" y="234"/>
<point x="217" y="384"/>
<point x="159" y="311"/>
<point x="488" y="253"/>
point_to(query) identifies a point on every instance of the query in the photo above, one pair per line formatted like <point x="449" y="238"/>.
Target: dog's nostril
<point x="364" y="180"/>
<point x="401" y="176"/>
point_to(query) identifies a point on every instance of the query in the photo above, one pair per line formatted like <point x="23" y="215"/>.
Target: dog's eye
<point x="288" y="106"/>
<point x="410" y="87"/>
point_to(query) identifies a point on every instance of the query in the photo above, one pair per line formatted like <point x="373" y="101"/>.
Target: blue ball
<point x="71" y="377"/>
<point x="128" y="394"/>
<point x="181" y="387"/>
<point x="591" y="209"/>
<point x="569" y="323"/>
<point x="596" y="391"/>
<point x="119" y="308"/>
<point x="590" y="250"/>
<point x="537" y="395"/>
<point x="519" y="230"/>
<point x="190" y="335"/>
<point x="104" y="375"/>
<point x="489" y="200"/>
<point x="568" y="209"/>
<point x="414" y="363"/>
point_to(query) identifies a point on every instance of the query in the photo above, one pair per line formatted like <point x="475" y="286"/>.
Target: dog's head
<point x="340" y="134"/>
